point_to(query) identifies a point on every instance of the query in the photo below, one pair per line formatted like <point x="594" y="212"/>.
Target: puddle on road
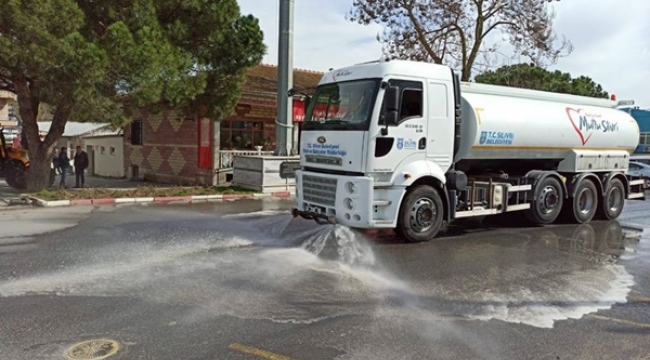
<point x="268" y="265"/>
<point x="555" y="274"/>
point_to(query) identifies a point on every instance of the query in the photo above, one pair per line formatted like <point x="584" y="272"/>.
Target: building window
<point x="112" y="150"/>
<point x="137" y="133"/>
<point x="237" y="134"/>
<point x="103" y="150"/>
<point x="644" y="139"/>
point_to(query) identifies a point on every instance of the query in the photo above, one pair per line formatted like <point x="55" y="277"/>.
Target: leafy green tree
<point x="533" y="77"/>
<point x="93" y="60"/>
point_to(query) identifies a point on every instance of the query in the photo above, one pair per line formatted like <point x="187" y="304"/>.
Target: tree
<point x="529" y="76"/>
<point x="457" y="32"/>
<point x="93" y="60"/>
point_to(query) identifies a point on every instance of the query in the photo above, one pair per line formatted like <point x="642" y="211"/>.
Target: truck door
<point x="406" y="141"/>
<point x="440" y="129"/>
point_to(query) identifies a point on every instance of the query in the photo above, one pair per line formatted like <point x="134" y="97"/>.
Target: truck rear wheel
<point x="613" y="200"/>
<point x="549" y="198"/>
<point x="421" y="214"/>
<point x="583" y="206"/>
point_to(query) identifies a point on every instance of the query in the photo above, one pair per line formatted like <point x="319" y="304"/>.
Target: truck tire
<point x="15" y="175"/>
<point x="421" y="214"/>
<point x="549" y="199"/>
<point x="583" y="206"/>
<point x="613" y="201"/>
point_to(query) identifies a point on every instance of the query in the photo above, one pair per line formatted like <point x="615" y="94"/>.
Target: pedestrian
<point x="64" y="164"/>
<point x="55" y="161"/>
<point x="80" y="165"/>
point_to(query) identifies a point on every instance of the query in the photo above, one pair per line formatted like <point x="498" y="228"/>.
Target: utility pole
<point x="284" y="117"/>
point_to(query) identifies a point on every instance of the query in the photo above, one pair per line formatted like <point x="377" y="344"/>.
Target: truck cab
<point x="370" y="131"/>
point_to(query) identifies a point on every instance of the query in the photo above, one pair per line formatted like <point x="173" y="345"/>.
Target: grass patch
<point x="140" y="191"/>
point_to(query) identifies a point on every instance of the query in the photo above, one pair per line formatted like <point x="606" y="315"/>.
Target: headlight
<point x="349" y="203"/>
<point x="351" y="187"/>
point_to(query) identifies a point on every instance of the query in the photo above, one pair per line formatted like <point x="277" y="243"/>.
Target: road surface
<point x="243" y="280"/>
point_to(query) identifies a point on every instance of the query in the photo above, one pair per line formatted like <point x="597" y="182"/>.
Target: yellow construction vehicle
<point x="14" y="163"/>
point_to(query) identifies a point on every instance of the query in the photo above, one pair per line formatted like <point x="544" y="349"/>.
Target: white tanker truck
<point x="405" y="145"/>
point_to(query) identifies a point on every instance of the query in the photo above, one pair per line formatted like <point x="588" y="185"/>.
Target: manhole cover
<point x="92" y="350"/>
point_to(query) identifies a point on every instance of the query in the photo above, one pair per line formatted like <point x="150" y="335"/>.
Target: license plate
<point x="315" y="209"/>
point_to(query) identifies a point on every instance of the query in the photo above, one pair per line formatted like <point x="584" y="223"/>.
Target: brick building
<point x="169" y="147"/>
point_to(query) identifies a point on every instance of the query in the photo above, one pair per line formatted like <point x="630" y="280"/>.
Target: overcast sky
<point x="611" y="41"/>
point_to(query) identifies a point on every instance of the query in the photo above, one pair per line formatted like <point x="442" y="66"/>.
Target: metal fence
<point x="226" y="157"/>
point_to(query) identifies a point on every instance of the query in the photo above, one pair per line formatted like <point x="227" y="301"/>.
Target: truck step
<point x="381" y="202"/>
<point x="635" y="195"/>
<point x="382" y="184"/>
<point x="517" y="188"/>
<point x="477" y="212"/>
<point x="518" y="207"/>
<point x="383" y="222"/>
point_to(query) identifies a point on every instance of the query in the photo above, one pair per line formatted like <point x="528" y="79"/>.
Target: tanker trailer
<point x="406" y="145"/>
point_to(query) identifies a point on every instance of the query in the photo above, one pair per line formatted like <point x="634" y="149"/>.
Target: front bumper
<point x="319" y="218"/>
<point x="347" y="200"/>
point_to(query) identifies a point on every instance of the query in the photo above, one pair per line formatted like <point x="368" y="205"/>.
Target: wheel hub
<point x="586" y="201"/>
<point x="615" y="199"/>
<point x="422" y="215"/>
<point x="549" y="199"/>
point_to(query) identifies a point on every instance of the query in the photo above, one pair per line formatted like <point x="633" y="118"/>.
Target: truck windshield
<point x="342" y="106"/>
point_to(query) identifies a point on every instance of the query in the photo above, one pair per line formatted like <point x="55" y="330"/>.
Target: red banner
<point x="205" y="142"/>
<point x="298" y="111"/>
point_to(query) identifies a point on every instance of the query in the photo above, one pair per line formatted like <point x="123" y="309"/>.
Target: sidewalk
<point x="100" y="182"/>
<point x="11" y="198"/>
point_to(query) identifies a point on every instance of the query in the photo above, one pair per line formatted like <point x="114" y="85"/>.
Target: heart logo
<point x="577" y="117"/>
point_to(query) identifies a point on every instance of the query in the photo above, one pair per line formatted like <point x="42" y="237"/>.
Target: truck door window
<point x="411" y="104"/>
<point x="410" y="100"/>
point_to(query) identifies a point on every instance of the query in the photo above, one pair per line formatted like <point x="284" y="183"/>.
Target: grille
<point x="319" y="190"/>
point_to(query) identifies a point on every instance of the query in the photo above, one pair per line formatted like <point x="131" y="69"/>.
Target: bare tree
<point x="456" y="32"/>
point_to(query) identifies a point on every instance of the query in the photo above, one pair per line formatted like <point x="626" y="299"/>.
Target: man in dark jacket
<point x="55" y="161"/>
<point x="64" y="163"/>
<point x="80" y="165"/>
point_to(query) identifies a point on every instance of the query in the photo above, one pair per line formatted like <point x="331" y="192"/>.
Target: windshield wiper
<point x="337" y="121"/>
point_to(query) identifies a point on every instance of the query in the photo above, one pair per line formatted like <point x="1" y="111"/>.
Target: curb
<point x="165" y="199"/>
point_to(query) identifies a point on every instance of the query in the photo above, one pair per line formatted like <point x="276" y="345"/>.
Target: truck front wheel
<point x="549" y="198"/>
<point x="421" y="214"/>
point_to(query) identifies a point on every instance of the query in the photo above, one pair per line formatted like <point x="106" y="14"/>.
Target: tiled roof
<point x="265" y="78"/>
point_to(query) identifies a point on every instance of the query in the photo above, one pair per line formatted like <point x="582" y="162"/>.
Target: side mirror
<point x="292" y="92"/>
<point x="392" y="117"/>
<point x="392" y="98"/>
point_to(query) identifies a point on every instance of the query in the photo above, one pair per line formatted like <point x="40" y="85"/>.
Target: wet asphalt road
<point x="201" y="282"/>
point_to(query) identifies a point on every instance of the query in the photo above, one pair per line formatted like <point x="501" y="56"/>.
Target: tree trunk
<point x="39" y="170"/>
<point x="38" y="173"/>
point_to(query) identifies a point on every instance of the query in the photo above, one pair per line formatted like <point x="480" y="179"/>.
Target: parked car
<point x="641" y="158"/>
<point x="638" y="168"/>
